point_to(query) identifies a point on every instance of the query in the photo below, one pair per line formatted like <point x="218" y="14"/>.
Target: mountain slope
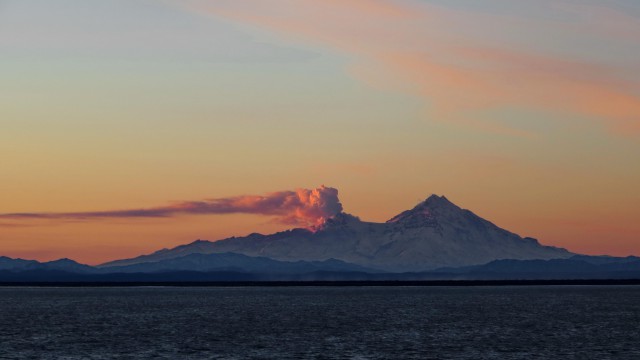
<point x="66" y="265"/>
<point x="577" y="267"/>
<point x="237" y="263"/>
<point x="226" y="267"/>
<point x="436" y="233"/>
<point x="7" y="263"/>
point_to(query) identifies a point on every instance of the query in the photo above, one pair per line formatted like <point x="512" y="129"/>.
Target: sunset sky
<point x="525" y="112"/>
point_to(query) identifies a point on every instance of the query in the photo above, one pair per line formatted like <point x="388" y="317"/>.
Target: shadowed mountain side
<point x="226" y="262"/>
<point x="235" y="267"/>
<point x="436" y="233"/>
<point x="577" y="267"/>
<point x="238" y="263"/>
<point x="194" y="277"/>
<point x="605" y="259"/>
<point x="66" y="265"/>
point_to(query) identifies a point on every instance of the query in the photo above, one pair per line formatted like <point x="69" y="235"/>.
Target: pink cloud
<point x="408" y="47"/>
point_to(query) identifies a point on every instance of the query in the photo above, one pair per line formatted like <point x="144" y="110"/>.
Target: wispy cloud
<point x="412" y="47"/>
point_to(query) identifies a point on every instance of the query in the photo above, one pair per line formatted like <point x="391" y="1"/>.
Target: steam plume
<point x="302" y="207"/>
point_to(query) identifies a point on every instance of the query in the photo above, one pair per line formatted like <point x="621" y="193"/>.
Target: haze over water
<point x="570" y="322"/>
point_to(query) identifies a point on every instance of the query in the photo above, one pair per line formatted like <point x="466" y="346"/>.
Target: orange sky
<point x="526" y="113"/>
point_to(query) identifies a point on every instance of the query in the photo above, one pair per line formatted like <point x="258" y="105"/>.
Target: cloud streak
<point x="432" y="52"/>
<point x="302" y="207"/>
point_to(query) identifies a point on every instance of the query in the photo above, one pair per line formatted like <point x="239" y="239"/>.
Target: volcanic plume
<point x="302" y="207"/>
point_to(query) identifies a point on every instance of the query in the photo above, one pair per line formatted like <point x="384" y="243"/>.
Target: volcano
<point x="434" y="234"/>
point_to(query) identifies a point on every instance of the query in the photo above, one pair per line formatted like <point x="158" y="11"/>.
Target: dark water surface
<point x="571" y="322"/>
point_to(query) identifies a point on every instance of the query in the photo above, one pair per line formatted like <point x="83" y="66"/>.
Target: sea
<point x="358" y="322"/>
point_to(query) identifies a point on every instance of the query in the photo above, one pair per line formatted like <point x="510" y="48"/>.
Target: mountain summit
<point x="426" y="212"/>
<point x="435" y="233"/>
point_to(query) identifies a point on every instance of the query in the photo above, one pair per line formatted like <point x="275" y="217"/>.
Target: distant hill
<point x="576" y="267"/>
<point x="234" y="267"/>
<point x="436" y="233"/>
<point x="65" y="265"/>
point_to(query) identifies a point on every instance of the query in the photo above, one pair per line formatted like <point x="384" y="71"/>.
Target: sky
<point x="525" y="112"/>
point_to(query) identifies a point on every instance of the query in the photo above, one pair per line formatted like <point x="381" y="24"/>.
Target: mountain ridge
<point x="227" y="268"/>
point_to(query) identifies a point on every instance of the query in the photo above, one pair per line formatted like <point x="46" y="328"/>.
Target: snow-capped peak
<point x="425" y="212"/>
